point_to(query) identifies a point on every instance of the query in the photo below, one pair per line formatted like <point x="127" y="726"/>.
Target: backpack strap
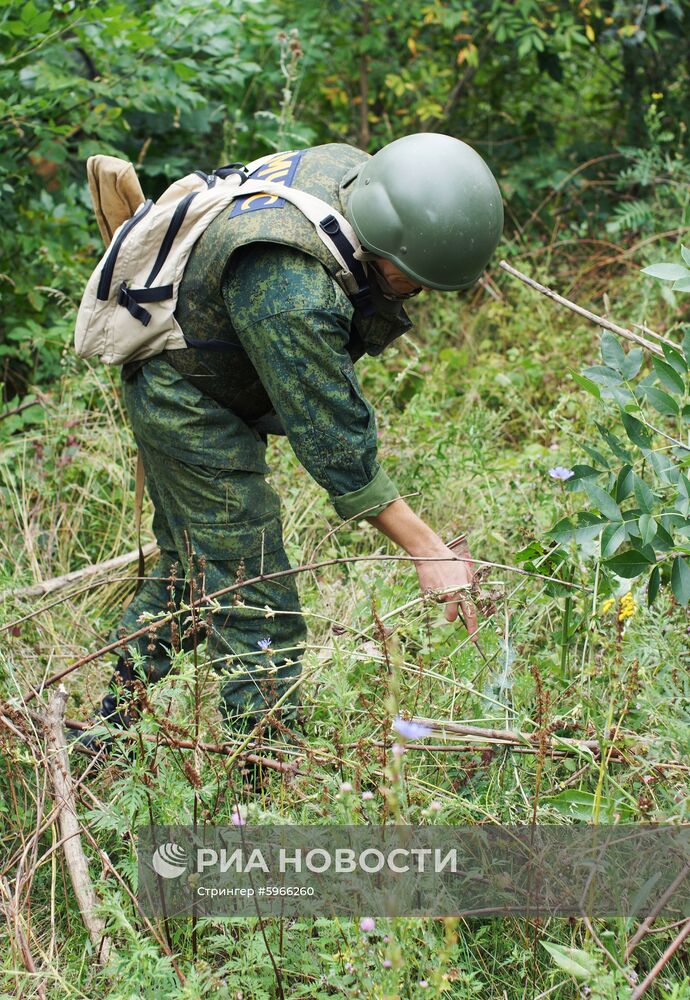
<point x="333" y="230"/>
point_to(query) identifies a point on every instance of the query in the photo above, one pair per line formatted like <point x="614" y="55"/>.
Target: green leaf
<point x="584" y="529"/>
<point x="644" y="495"/>
<point x="661" y="401"/>
<point x="613" y="442"/>
<point x="573" y="803"/>
<point x="619" y="394"/>
<point x="612" y="537"/>
<point x="675" y="359"/>
<point x="602" y="375"/>
<point x="579" y="804"/>
<point x="686" y="343"/>
<point x="647" y="526"/>
<point x="574" y="961"/>
<point x="667" y="272"/>
<point x="663" y="542"/>
<point x="631" y="563"/>
<point x="633" y="362"/>
<point x="653" y="586"/>
<point x="586" y="384"/>
<point x="664" y="468"/>
<point x="636" y="431"/>
<point x="680" y="579"/>
<point x="602" y="501"/>
<point x="685" y="254"/>
<point x="624" y="483"/>
<point x="682" y="285"/>
<point x="580" y="472"/>
<point x="612" y="353"/>
<point x="28" y="12"/>
<point x="596" y="456"/>
<point x="668" y="377"/>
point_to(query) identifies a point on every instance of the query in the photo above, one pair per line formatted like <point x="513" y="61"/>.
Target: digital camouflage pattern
<point x="200" y="417"/>
<point x="325" y="171"/>
<point x="205" y="472"/>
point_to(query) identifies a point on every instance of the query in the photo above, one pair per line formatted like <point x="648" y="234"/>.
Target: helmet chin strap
<point x="387" y="290"/>
<point x="367" y="257"/>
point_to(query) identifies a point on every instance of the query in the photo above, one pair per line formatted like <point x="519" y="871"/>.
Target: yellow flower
<point x="657" y="95"/>
<point x="606" y="606"/>
<point x="627" y="608"/>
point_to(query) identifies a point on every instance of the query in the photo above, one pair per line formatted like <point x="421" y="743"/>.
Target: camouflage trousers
<point x="216" y="520"/>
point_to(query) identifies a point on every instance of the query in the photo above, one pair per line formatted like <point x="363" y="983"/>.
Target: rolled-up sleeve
<point x="293" y="321"/>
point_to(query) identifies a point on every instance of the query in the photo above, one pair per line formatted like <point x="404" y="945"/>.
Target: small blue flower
<point x="410" y="730"/>
<point x="264" y="643"/>
<point x="560" y="472"/>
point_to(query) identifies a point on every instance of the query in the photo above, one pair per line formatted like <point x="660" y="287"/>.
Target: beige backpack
<point x="127" y="312"/>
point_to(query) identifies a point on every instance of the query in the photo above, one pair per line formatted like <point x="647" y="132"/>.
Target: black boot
<point x="115" y="710"/>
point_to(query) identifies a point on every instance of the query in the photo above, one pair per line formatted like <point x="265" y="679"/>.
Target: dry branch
<point x="453" y="747"/>
<point x="70" y="830"/>
<point x="59" y="582"/>
<point x="581" y="311"/>
<point x="189" y="744"/>
<point x="508" y="737"/>
<point x="666" y="957"/>
<point x="654" y="913"/>
<point x="207" y="600"/>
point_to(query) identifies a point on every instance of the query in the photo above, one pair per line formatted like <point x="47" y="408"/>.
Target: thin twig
<point x="655" y="911"/>
<point x="477" y="747"/>
<point x="608" y="957"/>
<point x="209" y="598"/>
<point x="574" y="307"/>
<point x="190" y="744"/>
<point x="665" y="958"/>
<point x="18" y="409"/>
<point x="13" y="920"/>
<point x="507" y="736"/>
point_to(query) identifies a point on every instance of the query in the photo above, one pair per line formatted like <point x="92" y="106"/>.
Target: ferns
<point x="630" y="215"/>
<point x="663" y="180"/>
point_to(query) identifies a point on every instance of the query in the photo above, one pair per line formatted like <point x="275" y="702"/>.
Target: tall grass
<point x="473" y="410"/>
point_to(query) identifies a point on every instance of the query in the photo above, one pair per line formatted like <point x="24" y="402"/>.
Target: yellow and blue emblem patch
<point x="280" y="169"/>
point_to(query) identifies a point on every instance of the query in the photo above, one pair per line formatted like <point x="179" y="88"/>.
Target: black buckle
<point x="233" y="168"/>
<point x="330" y="225"/>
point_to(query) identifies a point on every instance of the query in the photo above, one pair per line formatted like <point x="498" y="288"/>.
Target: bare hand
<point x="452" y="582"/>
<point x="446" y="572"/>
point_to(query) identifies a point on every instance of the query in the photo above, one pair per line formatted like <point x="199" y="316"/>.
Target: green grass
<point x="473" y="411"/>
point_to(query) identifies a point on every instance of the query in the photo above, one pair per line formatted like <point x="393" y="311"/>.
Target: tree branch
<point x="70" y="830"/>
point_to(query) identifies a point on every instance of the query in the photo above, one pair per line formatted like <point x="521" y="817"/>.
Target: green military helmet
<point x="428" y="203"/>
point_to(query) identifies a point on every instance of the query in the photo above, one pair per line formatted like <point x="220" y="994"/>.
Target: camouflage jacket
<point x="275" y="336"/>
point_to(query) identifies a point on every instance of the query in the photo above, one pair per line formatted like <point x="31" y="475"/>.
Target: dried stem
<point x="59" y="582"/>
<point x="70" y="829"/>
<point x="164" y="619"/>
<point x="581" y="311"/>
<point x="665" y="958"/>
<point x="655" y="911"/>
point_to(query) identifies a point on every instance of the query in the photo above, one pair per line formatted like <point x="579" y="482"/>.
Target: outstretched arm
<point x="451" y="578"/>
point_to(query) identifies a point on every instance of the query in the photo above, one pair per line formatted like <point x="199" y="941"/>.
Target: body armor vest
<point x="222" y="369"/>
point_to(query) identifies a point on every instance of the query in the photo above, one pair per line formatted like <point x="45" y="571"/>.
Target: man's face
<point x="394" y="283"/>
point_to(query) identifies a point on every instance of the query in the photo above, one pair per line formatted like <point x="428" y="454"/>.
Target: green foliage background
<point x="580" y="110"/>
